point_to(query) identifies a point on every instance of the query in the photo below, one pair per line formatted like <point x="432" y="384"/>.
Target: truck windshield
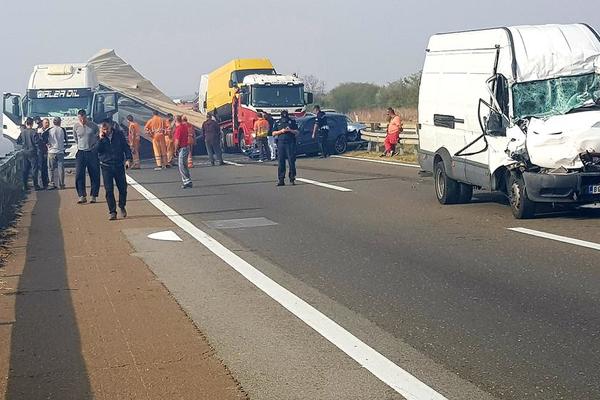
<point x="277" y="96"/>
<point x="542" y="99"/>
<point x="58" y="107"/>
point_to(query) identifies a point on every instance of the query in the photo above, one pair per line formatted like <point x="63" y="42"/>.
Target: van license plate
<point x="594" y="189"/>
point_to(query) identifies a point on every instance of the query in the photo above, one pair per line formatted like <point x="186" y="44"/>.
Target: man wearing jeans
<point x="86" y="138"/>
<point x="180" y="139"/>
<point x="115" y="156"/>
<point x="56" y="154"/>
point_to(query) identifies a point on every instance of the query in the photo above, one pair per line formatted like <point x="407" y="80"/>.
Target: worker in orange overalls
<point x="155" y="129"/>
<point x="393" y="133"/>
<point x="133" y="137"/>
<point x="169" y="129"/>
<point x="191" y="141"/>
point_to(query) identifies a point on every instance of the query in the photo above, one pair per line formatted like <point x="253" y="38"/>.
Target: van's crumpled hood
<point x="558" y="141"/>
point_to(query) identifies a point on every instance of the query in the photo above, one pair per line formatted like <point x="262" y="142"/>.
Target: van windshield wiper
<point x="585" y="107"/>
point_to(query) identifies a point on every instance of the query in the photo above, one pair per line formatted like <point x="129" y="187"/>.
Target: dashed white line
<point x="391" y="374"/>
<point x="401" y="164"/>
<point x="558" y="238"/>
<point x="325" y="185"/>
<point x="233" y="163"/>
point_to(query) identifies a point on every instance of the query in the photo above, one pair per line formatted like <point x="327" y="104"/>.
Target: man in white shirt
<point x="56" y="154"/>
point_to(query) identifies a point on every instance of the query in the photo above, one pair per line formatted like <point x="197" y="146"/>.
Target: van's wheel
<point x="341" y="144"/>
<point x="520" y="205"/>
<point x="446" y="189"/>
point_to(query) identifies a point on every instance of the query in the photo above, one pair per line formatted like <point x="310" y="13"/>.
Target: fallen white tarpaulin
<point x="117" y="75"/>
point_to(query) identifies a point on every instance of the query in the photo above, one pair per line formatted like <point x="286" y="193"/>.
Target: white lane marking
<point x="401" y="164"/>
<point x="564" y="239"/>
<point x="391" y="374"/>
<point x="233" y="163"/>
<point x="168" y="236"/>
<point x="325" y="185"/>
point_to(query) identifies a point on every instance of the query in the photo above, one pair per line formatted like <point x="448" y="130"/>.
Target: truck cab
<point x="58" y="90"/>
<point x="515" y="110"/>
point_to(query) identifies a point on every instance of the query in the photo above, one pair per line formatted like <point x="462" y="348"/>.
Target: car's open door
<point x="12" y="115"/>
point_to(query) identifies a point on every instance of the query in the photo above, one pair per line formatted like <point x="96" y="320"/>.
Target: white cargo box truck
<point x="515" y="110"/>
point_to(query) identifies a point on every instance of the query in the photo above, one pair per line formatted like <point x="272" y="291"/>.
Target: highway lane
<point x="516" y="315"/>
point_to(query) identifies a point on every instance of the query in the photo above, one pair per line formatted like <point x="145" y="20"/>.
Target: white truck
<point x="58" y="90"/>
<point x="515" y="110"/>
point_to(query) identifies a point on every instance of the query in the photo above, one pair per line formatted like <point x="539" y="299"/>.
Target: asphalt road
<point x="515" y="315"/>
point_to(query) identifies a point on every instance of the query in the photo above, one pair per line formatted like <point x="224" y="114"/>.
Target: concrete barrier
<point x="11" y="186"/>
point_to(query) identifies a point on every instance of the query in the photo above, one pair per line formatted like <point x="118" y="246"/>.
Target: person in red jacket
<point x="180" y="140"/>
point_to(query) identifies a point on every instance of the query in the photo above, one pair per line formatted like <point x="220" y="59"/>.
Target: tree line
<point x="350" y="96"/>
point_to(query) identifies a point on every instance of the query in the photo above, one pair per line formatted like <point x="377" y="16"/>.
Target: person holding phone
<point x="115" y="155"/>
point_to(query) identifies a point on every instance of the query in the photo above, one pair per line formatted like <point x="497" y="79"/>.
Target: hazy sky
<point x="173" y="42"/>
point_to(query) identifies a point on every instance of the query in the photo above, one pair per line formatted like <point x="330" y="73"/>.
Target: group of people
<point x="162" y="134"/>
<point x="43" y="148"/>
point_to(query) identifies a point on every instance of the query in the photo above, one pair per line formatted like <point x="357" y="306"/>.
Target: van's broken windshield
<point x="543" y="99"/>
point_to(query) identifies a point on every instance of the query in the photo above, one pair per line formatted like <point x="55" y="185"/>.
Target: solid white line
<point x="233" y="163"/>
<point x="397" y="378"/>
<point x="400" y="164"/>
<point x="564" y="239"/>
<point x="325" y="185"/>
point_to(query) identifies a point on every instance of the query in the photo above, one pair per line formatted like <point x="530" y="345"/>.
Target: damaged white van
<point x="515" y="110"/>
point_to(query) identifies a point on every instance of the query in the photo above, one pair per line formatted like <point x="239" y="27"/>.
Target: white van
<point x="515" y="110"/>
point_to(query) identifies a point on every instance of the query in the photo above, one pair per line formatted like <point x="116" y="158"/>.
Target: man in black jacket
<point x="29" y="139"/>
<point x="114" y="155"/>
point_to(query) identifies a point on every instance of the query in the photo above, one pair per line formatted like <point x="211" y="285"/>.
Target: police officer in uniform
<point x="285" y="131"/>
<point x="321" y="131"/>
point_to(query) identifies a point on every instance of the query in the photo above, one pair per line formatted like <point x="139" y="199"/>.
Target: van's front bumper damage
<point x="576" y="187"/>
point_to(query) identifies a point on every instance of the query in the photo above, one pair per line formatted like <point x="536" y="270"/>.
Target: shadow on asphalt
<point x="46" y="360"/>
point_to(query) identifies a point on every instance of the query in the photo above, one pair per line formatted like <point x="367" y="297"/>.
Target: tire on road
<point x="520" y="205"/>
<point x="447" y="190"/>
<point x="341" y="144"/>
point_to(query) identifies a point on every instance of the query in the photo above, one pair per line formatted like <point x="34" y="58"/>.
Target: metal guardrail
<point x="407" y="136"/>
<point x="11" y="191"/>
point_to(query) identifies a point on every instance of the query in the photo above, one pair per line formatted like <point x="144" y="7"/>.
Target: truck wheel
<point x="520" y="205"/>
<point x="446" y="189"/>
<point x="465" y="193"/>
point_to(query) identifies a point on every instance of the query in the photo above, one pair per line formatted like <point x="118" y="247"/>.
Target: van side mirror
<point x="495" y="124"/>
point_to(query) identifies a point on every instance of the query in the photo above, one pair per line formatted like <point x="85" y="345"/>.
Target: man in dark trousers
<point x="115" y="155"/>
<point x="285" y="131"/>
<point x="321" y="131"/>
<point x="42" y="152"/>
<point x="86" y="138"/>
<point x="212" y="139"/>
<point x="29" y="140"/>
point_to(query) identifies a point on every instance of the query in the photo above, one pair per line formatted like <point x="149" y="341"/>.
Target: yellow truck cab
<point x="218" y="87"/>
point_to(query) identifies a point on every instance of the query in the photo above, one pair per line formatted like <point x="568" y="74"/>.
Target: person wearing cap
<point x="286" y="130"/>
<point x="133" y="136"/>
<point x="86" y="138"/>
<point x="56" y="154"/>
<point x="155" y="129"/>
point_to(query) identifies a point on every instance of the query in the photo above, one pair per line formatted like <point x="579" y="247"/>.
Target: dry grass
<point x="405" y="158"/>
<point x="408" y="115"/>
